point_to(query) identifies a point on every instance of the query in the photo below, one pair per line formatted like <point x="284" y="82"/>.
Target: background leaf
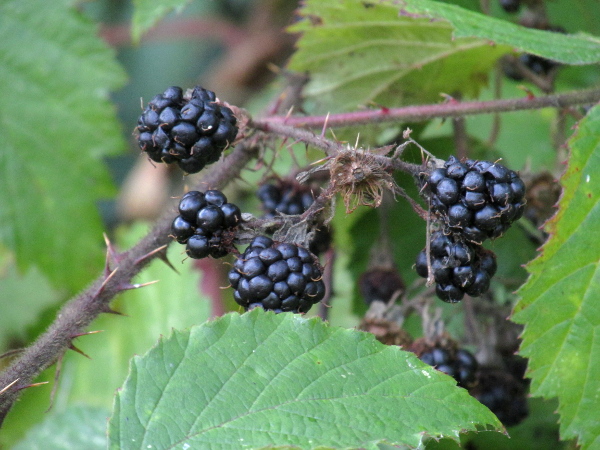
<point x="147" y="13"/>
<point x="24" y="298"/>
<point x="361" y="52"/>
<point x="79" y="426"/>
<point x="264" y="379"/>
<point x="56" y="125"/>
<point x="559" y="305"/>
<point x="567" y="49"/>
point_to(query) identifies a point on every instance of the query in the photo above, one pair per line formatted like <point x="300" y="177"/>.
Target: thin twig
<point x="426" y="112"/>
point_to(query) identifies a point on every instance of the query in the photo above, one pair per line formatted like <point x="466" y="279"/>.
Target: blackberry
<point x="510" y="6"/>
<point x="458" y="267"/>
<point x="504" y="395"/>
<point x="192" y="130"/>
<point x="291" y="198"/>
<point x="536" y="64"/>
<point x="543" y="193"/>
<point x="276" y="276"/>
<point x="460" y="364"/>
<point x="476" y="199"/>
<point x="380" y="284"/>
<point x="205" y="224"/>
<point x="285" y="198"/>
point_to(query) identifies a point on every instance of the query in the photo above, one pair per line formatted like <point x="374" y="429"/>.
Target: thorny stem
<point x="426" y="112"/>
<point x="80" y="311"/>
<point x="331" y="148"/>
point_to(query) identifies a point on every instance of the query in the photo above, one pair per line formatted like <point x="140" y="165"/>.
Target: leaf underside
<point x="393" y="53"/>
<point x="358" y="55"/>
<point x="567" y="49"/>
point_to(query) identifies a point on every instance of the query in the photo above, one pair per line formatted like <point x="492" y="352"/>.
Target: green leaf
<point x="24" y="297"/>
<point x="361" y="52"/>
<point x="152" y="311"/>
<point x="56" y="125"/>
<point x="573" y="49"/>
<point x="79" y="426"/>
<point x="147" y="13"/>
<point x="265" y="379"/>
<point x="559" y="305"/>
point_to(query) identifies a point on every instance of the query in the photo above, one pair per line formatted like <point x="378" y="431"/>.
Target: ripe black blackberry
<point x="276" y="276"/>
<point x="192" y="130"/>
<point x="285" y="198"/>
<point x="458" y="267"/>
<point x="510" y="6"/>
<point x="292" y="198"/>
<point x="381" y="284"/>
<point x="476" y="199"/>
<point x="459" y="363"/>
<point x="540" y="66"/>
<point x="205" y="224"/>
<point x="502" y="394"/>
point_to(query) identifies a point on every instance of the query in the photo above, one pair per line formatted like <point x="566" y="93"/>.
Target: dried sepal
<point x="360" y="178"/>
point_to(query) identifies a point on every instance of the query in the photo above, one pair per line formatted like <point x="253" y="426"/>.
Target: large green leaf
<point x="559" y="305"/>
<point x="265" y="379"/>
<point x="361" y="52"/>
<point x="78" y="427"/>
<point x="56" y="125"/>
<point x="577" y="49"/>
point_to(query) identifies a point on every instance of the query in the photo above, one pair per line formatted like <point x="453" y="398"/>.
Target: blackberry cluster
<point x="476" y="199"/>
<point x="284" y="199"/>
<point x="292" y="199"/>
<point x="191" y="131"/>
<point x="460" y="364"/>
<point x="510" y="6"/>
<point x="458" y="267"/>
<point x="276" y="276"/>
<point x="538" y="65"/>
<point x="205" y="224"/>
<point x="504" y="395"/>
<point x="380" y="284"/>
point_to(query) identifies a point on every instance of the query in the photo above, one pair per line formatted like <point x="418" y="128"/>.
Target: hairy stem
<point x="425" y="112"/>
<point x="80" y="311"/>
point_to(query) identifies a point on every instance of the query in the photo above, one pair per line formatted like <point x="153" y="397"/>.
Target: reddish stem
<point x="426" y="112"/>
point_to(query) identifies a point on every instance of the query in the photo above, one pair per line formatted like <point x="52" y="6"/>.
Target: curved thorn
<point x="151" y="253"/>
<point x="32" y="385"/>
<point x="75" y="336"/>
<point x="137" y="285"/>
<point x="75" y="349"/>
<point x="55" y="385"/>
<point x="105" y="282"/>
<point x="6" y="388"/>
<point x="109" y="310"/>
